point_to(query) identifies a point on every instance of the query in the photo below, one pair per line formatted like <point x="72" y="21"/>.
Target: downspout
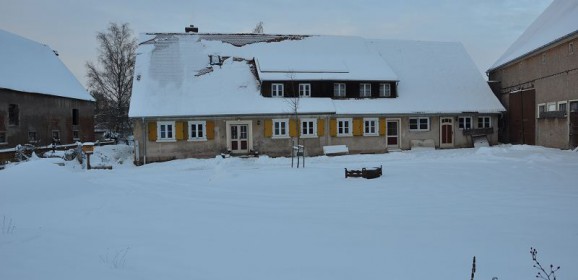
<point x="144" y="136"/>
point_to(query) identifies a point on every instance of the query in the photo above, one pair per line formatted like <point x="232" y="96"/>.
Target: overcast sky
<point x="486" y="28"/>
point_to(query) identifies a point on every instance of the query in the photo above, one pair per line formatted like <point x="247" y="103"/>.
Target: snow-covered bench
<point x="335" y="150"/>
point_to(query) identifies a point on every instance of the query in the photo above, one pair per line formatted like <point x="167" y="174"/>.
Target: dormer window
<point x="339" y="90"/>
<point x="364" y="90"/>
<point x="384" y="90"/>
<point x="277" y="90"/>
<point x="304" y="90"/>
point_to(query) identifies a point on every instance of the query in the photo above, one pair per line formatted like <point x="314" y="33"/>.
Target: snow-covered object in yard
<point x="29" y="66"/>
<point x="559" y="20"/>
<point x="220" y="74"/>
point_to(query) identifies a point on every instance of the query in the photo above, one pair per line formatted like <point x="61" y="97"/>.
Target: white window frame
<point x="364" y="90"/>
<point x="571" y="48"/>
<point x="541" y="105"/>
<point x="551" y="106"/>
<point x="203" y="130"/>
<point x="313" y="123"/>
<point x="304" y="90"/>
<point x="339" y="90"/>
<point x="563" y="103"/>
<point x="277" y="90"/>
<point x="375" y="127"/>
<point x="419" y="123"/>
<point x="159" y="131"/>
<point x="483" y="120"/>
<point x="463" y="124"/>
<point x="285" y="122"/>
<point x="344" y="127"/>
<point x="382" y="90"/>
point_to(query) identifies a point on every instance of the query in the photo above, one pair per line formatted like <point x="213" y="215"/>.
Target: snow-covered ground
<point x="425" y="218"/>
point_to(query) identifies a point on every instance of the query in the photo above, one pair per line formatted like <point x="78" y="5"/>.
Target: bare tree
<point x="110" y="79"/>
<point x="259" y="28"/>
<point x="293" y="99"/>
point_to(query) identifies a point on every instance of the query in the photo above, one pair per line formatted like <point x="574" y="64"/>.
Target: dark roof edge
<point x="48" y="94"/>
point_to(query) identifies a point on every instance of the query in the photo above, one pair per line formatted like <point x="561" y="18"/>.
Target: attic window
<point x="215" y="60"/>
<point x="571" y="48"/>
<point x="384" y="90"/>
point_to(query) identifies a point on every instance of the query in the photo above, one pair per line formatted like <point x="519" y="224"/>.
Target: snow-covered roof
<point x="173" y="75"/>
<point x="435" y="77"/>
<point x="559" y="20"/>
<point x="29" y="66"/>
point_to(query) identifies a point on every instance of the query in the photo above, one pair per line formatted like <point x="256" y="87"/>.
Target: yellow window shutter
<point x="320" y="127"/>
<point x="179" y="130"/>
<point x="357" y="126"/>
<point x="152" y="127"/>
<point x="210" y="130"/>
<point x="268" y="128"/>
<point x="293" y="127"/>
<point x="381" y="126"/>
<point x="333" y="127"/>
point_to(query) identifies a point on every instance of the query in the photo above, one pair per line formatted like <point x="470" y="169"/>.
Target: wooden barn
<point x="40" y="99"/>
<point x="536" y="79"/>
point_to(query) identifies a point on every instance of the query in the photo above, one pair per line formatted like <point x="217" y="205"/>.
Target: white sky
<point x="486" y="28"/>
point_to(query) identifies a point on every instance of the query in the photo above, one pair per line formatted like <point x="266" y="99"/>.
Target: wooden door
<point x="522" y="117"/>
<point x="447" y="132"/>
<point x="392" y="135"/>
<point x="239" y="135"/>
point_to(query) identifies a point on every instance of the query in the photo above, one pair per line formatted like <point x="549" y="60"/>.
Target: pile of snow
<point x="256" y="218"/>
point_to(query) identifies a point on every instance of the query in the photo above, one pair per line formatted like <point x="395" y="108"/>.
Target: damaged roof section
<point x="240" y="40"/>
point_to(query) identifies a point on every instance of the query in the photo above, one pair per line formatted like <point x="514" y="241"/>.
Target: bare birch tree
<point x="110" y="79"/>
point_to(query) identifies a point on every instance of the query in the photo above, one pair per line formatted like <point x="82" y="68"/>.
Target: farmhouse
<point x="536" y="79"/>
<point x="40" y="99"/>
<point x="200" y="95"/>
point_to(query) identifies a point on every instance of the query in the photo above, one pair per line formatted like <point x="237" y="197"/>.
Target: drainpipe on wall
<point x="144" y="142"/>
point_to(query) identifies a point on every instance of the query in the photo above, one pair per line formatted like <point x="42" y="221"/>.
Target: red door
<point x="447" y="132"/>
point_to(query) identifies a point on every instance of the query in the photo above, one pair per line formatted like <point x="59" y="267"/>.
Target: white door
<point x="392" y="134"/>
<point x="239" y="137"/>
